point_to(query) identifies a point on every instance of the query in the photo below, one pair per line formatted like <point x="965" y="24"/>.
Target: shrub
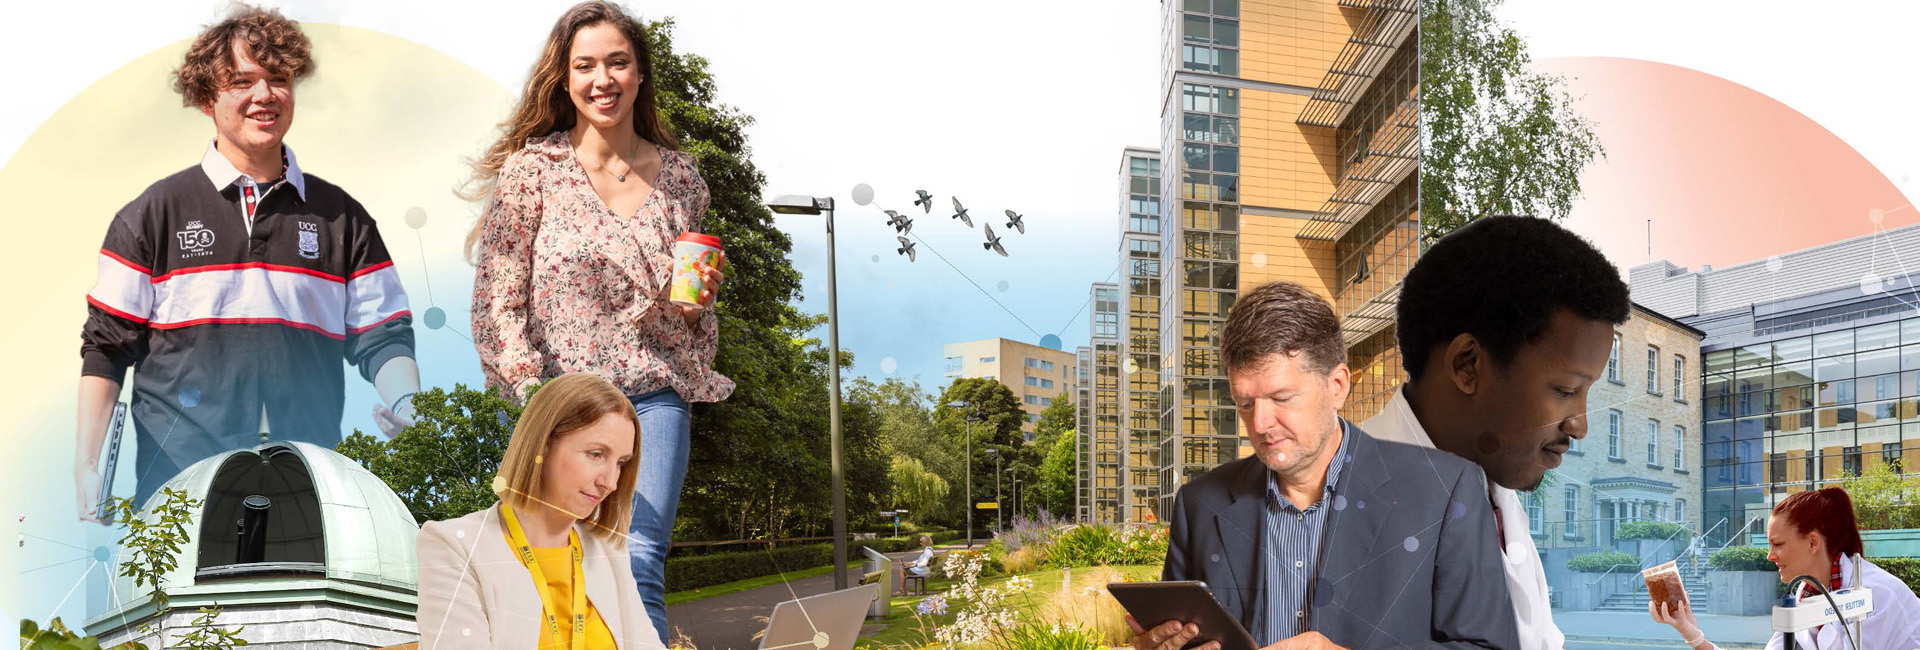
<point x="1603" y="562"/>
<point x="1094" y="545"/>
<point x="1741" y="558"/>
<point x="1033" y="636"/>
<point x="1652" y="530"/>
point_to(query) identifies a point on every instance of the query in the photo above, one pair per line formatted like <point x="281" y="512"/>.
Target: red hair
<point x="1828" y="511"/>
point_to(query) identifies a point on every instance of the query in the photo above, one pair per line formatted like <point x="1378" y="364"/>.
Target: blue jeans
<point x="664" y="423"/>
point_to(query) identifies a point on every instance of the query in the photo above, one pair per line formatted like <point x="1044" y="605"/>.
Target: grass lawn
<point x="725" y="588"/>
<point x="902" y="628"/>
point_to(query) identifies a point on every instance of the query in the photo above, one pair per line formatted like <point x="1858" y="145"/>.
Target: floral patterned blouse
<point x="566" y="285"/>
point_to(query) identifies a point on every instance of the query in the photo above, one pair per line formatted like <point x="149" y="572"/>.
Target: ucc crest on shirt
<point x="309" y="241"/>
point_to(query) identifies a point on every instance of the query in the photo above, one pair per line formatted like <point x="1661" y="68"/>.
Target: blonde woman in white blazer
<point x="565" y="488"/>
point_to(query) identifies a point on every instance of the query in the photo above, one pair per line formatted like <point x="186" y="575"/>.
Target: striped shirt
<point x="1291" y="548"/>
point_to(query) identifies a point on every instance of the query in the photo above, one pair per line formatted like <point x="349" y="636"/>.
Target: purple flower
<point x="931" y="605"/>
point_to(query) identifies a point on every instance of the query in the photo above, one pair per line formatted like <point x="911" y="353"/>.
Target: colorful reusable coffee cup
<point x="692" y="252"/>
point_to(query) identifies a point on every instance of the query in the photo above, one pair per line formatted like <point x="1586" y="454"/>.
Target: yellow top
<point x="557" y="564"/>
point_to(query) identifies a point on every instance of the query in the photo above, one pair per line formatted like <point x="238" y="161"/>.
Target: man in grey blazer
<point x="1325" y="537"/>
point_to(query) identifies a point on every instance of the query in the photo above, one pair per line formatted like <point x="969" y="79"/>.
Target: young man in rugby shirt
<point x="236" y="287"/>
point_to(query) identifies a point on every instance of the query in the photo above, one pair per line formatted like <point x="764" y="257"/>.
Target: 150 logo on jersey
<point x="195" y="241"/>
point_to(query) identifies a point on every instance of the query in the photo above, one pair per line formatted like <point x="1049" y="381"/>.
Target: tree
<point x="1496" y="137"/>
<point x="1054" y="492"/>
<point x="914" y="488"/>
<point x="443" y="465"/>
<point x="993" y="420"/>
<point x="1056" y="419"/>
<point x="1882" y="498"/>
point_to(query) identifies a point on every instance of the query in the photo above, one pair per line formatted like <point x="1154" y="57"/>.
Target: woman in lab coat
<point x="1814" y="534"/>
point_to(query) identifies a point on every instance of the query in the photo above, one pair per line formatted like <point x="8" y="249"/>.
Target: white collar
<point x="1397" y="423"/>
<point x="223" y="174"/>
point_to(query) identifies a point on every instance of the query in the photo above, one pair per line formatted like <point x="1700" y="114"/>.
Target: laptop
<point x="829" y="621"/>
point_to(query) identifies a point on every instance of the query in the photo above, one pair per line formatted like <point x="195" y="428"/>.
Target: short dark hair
<point x="1826" y="510"/>
<point x="1281" y="318"/>
<point x="272" y="40"/>
<point x="1501" y="279"/>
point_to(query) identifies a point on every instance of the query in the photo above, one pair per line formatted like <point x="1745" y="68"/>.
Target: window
<point x="1046" y="401"/>
<point x="1613" y="434"/>
<point x="1613" y="360"/>
<point x="953" y="365"/>
<point x="1679" y="378"/>
<point x="1890" y="454"/>
<point x="1573" y="445"/>
<point x="1570" y="505"/>
<point x="1032" y="399"/>
<point x="1653" y="441"/>
<point x="1653" y="369"/>
<point x="1850" y="461"/>
<point x="1679" y="448"/>
<point x="1536" y="512"/>
<point x="986" y="359"/>
<point x="1679" y="511"/>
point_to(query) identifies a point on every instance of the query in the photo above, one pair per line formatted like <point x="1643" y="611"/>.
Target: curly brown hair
<point x="272" y="40"/>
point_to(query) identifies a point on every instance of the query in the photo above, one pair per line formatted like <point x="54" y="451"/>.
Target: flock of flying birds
<point x="903" y="224"/>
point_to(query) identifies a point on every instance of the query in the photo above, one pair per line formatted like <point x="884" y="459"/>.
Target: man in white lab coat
<point x="1502" y="326"/>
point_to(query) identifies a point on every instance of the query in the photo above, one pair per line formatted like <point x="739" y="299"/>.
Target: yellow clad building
<point x="1289" y="151"/>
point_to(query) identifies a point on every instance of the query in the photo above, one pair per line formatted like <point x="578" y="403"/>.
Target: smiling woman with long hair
<point x="585" y="193"/>
<point x="544" y="567"/>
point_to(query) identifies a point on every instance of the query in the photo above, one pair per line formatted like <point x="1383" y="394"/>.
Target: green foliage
<point x="442" y="466"/>
<point x="205" y="636"/>
<point x="1603" y="562"/>
<point x="154" y="545"/>
<point x="993" y="420"/>
<point x="915" y="488"/>
<point x="1497" y="138"/>
<point x="1034" y="636"/>
<point x="58" y="637"/>
<point x="1652" y="530"/>
<point x="1883" y="499"/>
<point x="1741" y="558"/>
<point x="1054" y="492"/>
<point x="1105" y="544"/>
<point x="1907" y="569"/>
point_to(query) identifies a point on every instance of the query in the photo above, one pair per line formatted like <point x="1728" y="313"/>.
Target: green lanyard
<point x="525" y="552"/>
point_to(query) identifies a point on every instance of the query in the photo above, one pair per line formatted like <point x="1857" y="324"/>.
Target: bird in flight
<point x="925" y="201"/>
<point x="906" y="248"/>
<point x="960" y="212"/>
<point x="993" y="243"/>
<point x="1015" y="222"/>
<point x="900" y="223"/>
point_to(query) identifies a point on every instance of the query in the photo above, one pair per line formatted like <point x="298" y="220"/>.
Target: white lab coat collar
<point x="223" y="174"/>
<point x="1526" y="578"/>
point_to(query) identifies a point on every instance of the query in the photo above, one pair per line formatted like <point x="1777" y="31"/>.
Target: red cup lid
<point x="699" y="238"/>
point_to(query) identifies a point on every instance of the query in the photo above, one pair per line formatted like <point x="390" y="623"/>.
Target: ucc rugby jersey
<point x="230" y="300"/>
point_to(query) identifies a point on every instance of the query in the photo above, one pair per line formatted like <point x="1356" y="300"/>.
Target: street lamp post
<point x="962" y="404"/>
<point x="802" y="204"/>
